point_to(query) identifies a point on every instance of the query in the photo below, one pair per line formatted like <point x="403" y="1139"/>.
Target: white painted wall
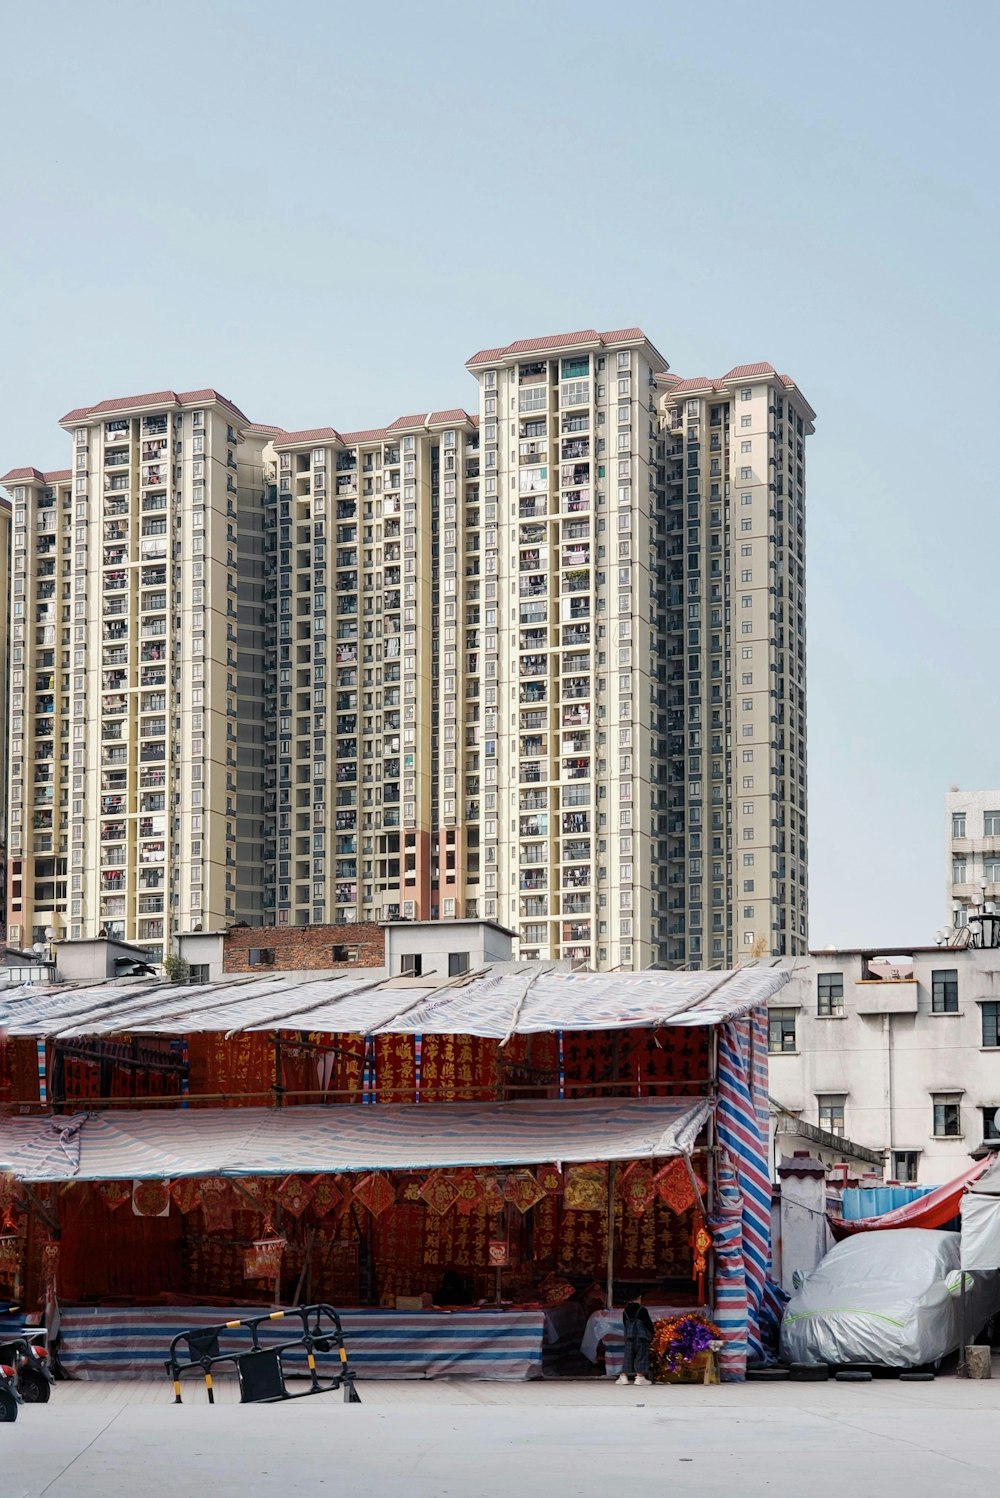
<point x="889" y="1054"/>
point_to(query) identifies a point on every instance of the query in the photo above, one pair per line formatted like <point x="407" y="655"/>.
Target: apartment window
<point x="991" y="870"/>
<point x="781" y="1030"/>
<point x="991" y="1134"/>
<point x="991" y="1023"/>
<point x="201" y="972"/>
<point x="746" y="420"/>
<point x="831" y="1111"/>
<point x="746" y="395"/>
<point x="745" y="447"/>
<point x="904" y="1166"/>
<point x="947" y="1115"/>
<point x="261" y="957"/>
<point x="458" y="963"/>
<point x="959" y="871"/>
<point x="958" y="824"/>
<point x="991" y="824"/>
<point x="829" y="993"/>
<point x="944" y="990"/>
<point x="746" y="473"/>
<point x="411" y="964"/>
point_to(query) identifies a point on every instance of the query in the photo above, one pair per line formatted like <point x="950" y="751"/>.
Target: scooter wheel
<point x="8" y="1405"/>
<point x="34" y="1387"/>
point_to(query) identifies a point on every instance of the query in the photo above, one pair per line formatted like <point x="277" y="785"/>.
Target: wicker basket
<point x="700" y="1370"/>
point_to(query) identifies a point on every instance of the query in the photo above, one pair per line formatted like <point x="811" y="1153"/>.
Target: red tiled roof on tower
<point x="153" y="399"/>
<point x="583" y="337"/>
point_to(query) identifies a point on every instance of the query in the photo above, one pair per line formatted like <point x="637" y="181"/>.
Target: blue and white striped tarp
<point x="167" y="1144"/>
<point x="103" y="1342"/>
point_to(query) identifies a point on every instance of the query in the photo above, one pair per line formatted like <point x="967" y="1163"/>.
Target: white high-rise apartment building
<point x="543" y="663"/>
<point x="972" y="836"/>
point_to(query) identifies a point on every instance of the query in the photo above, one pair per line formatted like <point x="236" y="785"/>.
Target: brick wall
<point x="301" y="948"/>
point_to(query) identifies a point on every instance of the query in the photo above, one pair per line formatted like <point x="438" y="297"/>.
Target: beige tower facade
<point x="735" y="857"/>
<point x="569" y="428"/>
<point x="138" y="661"/>
<point x="372" y="774"/>
<point x="541" y="663"/>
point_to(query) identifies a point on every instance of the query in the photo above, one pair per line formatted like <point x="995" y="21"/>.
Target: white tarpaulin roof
<point x="275" y="1142"/>
<point x="981" y="1221"/>
<point x="519" y="999"/>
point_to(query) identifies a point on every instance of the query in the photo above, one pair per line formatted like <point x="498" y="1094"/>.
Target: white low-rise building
<point x="898" y="1051"/>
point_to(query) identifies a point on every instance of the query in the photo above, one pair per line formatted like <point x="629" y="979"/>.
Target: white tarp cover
<point x="889" y="1297"/>
<point x="166" y="1144"/>
<point x="518" y="999"/>
<point x="981" y="1222"/>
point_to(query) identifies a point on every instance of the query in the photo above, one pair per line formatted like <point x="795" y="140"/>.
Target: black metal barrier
<point x="261" y="1370"/>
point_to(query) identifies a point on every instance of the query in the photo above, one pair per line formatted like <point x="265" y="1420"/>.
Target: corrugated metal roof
<point x="526" y="998"/>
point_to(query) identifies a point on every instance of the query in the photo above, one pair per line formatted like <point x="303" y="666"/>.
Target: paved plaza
<point x="462" y="1439"/>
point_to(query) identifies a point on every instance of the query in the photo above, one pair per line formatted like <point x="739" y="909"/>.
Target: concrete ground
<point x="464" y="1439"/>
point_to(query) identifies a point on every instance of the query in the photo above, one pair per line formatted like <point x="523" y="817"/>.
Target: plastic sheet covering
<point x="890" y="1298"/>
<point x="279" y="1141"/>
<point x="980" y="1231"/>
<point x="524" y="999"/>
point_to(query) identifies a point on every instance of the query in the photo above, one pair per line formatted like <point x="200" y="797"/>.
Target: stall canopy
<point x="496" y="1003"/>
<point x="267" y="1141"/>
<point x="931" y="1211"/>
<point x="981" y="1219"/>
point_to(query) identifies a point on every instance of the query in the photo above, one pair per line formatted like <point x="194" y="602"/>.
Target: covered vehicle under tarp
<point x="889" y="1298"/>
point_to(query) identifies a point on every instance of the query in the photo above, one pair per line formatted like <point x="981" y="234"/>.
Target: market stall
<point x="511" y="1142"/>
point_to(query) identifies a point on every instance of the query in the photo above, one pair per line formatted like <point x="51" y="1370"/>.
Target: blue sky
<point x="323" y="210"/>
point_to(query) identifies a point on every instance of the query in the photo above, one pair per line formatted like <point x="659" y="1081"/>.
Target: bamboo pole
<point x="612" y="1178"/>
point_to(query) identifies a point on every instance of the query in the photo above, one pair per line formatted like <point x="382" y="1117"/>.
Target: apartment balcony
<point x="534" y="879"/>
<point x="576" y="878"/>
<point x="113" y="832"/>
<point x="530" y="509"/>
<point x="575" y="821"/>
<point x="531" y="774"/>
<point x="534" y="665"/>
<point x="117" y="458"/>
<point x="152" y="753"/>
<point x="575" y="502"/>
<point x="113" y="804"/>
<point x="576" y="717"/>
<point x="576" y="904"/>
<point x="113" y="858"/>
<point x="576" y="769"/>
<point x="112" y="879"/>
<point x="532" y="693"/>
<point x="574" y="689"/>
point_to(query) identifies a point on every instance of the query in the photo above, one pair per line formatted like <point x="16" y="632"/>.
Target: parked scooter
<point x="27" y="1355"/>
<point x="10" y="1399"/>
